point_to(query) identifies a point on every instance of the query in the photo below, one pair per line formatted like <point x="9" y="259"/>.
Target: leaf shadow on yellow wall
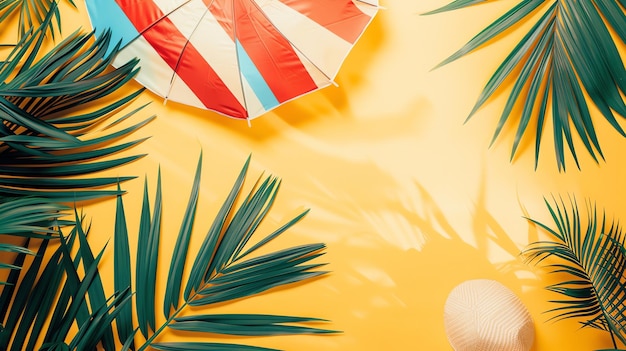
<point x="392" y="274"/>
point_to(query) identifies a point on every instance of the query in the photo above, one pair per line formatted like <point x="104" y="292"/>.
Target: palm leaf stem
<point x="158" y="331"/>
<point x="169" y="321"/>
<point x="613" y="338"/>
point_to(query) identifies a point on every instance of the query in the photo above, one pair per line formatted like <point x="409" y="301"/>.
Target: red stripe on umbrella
<point x="341" y="17"/>
<point x="273" y="55"/>
<point x="169" y="42"/>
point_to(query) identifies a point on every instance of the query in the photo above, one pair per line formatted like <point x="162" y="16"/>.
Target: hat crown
<point x="484" y="315"/>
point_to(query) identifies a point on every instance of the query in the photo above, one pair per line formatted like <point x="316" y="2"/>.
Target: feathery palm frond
<point x="31" y="14"/>
<point x="52" y="297"/>
<point x="50" y="105"/>
<point x="568" y="57"/>
<point x="223" y="270"/>
<point x="593" y="257"/>
<point x="27" y="218"/>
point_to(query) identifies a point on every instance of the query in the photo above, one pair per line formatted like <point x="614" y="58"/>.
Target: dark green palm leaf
<point x="247" y="324"/>
<point x="25" y="217"/>
<point x="97" y="298"/>
<point x="29" y="217"/>
<point x="20" y="294"/>
<point x="31" y="13"/>
<point x="568" y="53"/>
<point x="50" y="104"/>
<point x="58" y="293"/>
<point x="593" y="258"/>
<point x="82" y="302"/>
<point x="9" y="287"/>
<point x="147" y="259"/>
<point x="122" y="275"/>
<point x="96" y="328"/>
<point x="455" y="5"/>
<point x="222" y="270"/>
<point x="177" y="266"/>
<point x="12" y="248"/>
<point x="206" y="346"/>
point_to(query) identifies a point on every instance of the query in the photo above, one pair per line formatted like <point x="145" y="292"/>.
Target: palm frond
<point x="50" y="106"/>
<point x="203" y="346"/>
<point x="455" y="5"/>
<point x="147" y="258"/>
<point x="55" y="132"/>
<point x="567" y="58"/>
<point x="122" y="275"/>
<point x="16" y="302"/>
<point x="31" y="14"/>
<point x="592" y="257"/>
<point x="27" y="218"/>
<point x="223" y="270"/>
<point x="53" y="297"/>
<point x="246" y="324"/>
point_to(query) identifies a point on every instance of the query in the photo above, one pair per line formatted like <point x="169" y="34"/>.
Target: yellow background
<point x="409" y="199"/>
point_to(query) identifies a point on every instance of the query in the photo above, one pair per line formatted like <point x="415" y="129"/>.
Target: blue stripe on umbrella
<point x="255" y="79"/>
<point x="109" y="12"/>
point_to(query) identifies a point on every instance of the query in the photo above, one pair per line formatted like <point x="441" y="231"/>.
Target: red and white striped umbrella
<point x="239" y="58"/>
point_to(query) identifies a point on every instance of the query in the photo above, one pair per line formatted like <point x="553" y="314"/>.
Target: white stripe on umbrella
<point x="307" y="35"/>
<point x="169" y="6"/>
<point x="368" y="7"/>
<point x="194" y="21"/>
<point x="156" y="75"/>
<point x="219" y="52"/>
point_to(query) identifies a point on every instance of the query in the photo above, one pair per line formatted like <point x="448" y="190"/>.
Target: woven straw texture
<point x="484" y="315"/>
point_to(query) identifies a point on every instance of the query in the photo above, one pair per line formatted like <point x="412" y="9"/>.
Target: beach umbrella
<point x="240" y="58"/>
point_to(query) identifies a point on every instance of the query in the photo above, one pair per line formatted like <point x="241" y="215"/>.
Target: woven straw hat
<point x="484" y="315"/>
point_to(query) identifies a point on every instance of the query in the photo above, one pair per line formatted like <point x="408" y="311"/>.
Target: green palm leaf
<point x="177" y="266"/>
<point x="147" y="258"/>
<point x="222" y="271"/>
<point x="10" y="316"/>
<point x="568" y="52"/>
<point x="122" y="275"/>
<point x="53" y="296"/>
<point x="592" y="259"/>
<point x="206" y="346"/>
<point x="55" y="132"/>
<point x="31" y="13"/>
<point x="28" y="218"/>
<point x="50" y="105"/>
<point x="247" y="324"/>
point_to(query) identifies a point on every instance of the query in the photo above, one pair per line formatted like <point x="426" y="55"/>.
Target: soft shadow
<point x="394" y="262"/>
<point x="350" y="76"/>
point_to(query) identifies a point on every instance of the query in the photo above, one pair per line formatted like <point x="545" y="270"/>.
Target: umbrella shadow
<point x="315" y="127"/>
<point x="350" y="76"/>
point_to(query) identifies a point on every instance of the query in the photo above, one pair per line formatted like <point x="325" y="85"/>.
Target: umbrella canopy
<point x="239" y="58"/>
